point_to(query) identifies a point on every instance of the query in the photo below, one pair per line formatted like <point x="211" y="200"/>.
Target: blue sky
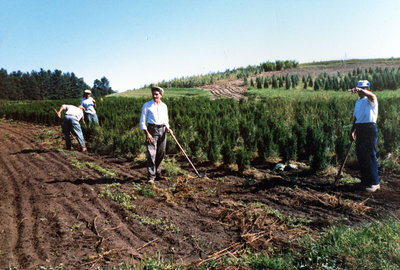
<point x="134" y="42"/>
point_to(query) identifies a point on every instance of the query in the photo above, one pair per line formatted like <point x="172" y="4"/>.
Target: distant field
<point x="169" y="92"/>
<point x="334" y="63"/>
<point x="302" y="94"/>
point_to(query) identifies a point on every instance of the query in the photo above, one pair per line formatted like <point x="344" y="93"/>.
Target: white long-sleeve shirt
<point x="73" y="111"/>
<point x="154" y="113"/>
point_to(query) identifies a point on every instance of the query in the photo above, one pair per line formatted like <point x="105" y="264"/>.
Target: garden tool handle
<point x="183" y="151"/>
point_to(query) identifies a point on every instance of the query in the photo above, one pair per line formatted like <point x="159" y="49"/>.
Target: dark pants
<point x="155" y="150"/>
<point x="366" y="137"/>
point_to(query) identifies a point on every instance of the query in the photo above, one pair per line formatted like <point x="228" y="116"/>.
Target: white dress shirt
<point x="365" y="111"/>
<point x="73" y="111"/>
<point x="154" y="113"/>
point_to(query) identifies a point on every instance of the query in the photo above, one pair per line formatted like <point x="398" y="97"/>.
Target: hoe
<point x="183" y="151"/>
<point x="338" y="176"/>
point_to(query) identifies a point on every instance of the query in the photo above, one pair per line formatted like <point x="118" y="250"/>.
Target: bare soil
<point x="234" y="88"/>
<point x="54" y="208"/>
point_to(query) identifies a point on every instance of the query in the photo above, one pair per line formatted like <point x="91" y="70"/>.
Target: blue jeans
<point x="366" y="138"/>
<point x="71" y="124"/>
<point x="91" y="118"/>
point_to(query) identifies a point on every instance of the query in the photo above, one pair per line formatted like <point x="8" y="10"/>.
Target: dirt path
<point x="58" y="207"/>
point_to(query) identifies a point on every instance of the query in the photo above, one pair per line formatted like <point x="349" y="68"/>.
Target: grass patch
<point x="171" y="167"/>
<point x="372" y="246"/>
<point x="162" y="223"/>
<point x="81" y="165"/>
<point x="124" y="199"/>
<point x="144" y="190"/>
<point x="292" y="222"/>
<point x="103" y="171"/>
<point x="169" y="92"/>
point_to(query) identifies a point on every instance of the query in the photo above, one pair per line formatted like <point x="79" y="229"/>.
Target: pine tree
<point x="287" y="81"/>
<point x="274" y="82"/>
<point x="266" y="84"/>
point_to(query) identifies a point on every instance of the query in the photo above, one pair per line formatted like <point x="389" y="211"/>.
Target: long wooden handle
<point x="344" y="161"/>
<point x="183" y="151"/>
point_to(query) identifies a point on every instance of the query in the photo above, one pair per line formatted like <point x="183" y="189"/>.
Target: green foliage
<point x="171" y="167"/>
<point x="46" y="85"/>
<point x="242" y="72"/>
<point x="305" y="125"/>
<point x="372" y="246"/>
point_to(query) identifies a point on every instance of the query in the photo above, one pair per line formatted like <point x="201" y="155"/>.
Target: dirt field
<point x="234" y="88"/>
<point x="59" y="207"/>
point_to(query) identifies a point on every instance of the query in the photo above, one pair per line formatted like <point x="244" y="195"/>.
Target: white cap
<point x="363" y="83"/>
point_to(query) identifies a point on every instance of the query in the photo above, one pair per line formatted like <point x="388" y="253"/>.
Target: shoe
<point x="151" y="181"/>
<point x="84" y="149"/>
<point x="373" y="188"/>
<point x="160" y="177"/>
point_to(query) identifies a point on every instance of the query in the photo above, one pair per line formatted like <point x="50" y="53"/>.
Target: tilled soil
<point x="82" y="211"/>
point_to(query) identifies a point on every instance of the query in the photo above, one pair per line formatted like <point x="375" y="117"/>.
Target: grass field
<point x="351" y="61"/>
<point x="311" y="94"/>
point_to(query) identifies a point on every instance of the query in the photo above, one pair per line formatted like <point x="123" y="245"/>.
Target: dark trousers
<point x="155" y="150"/>
<point x="366" y="138"/>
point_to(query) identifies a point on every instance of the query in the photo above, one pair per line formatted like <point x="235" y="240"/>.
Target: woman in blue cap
<point x="365" y="133"/>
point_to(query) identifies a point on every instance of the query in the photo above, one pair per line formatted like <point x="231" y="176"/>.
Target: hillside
<point x="235" y="88"/>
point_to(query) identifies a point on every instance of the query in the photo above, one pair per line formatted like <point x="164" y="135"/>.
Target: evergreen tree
<point x="266" y="84"/>
<point x="287" y="82"/>
<point x="310" y="80"/>
<point x="274" y="82"/>
<point x="280" y="79"/>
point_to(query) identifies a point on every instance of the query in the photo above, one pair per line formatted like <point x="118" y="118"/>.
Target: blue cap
<point x="363" y="83"/>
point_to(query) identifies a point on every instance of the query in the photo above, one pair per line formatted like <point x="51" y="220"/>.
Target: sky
<point x="137" y="42"/>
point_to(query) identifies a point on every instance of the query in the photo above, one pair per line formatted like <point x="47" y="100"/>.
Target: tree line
<point x="242" y="72"/>
<point x="41" y="85"/>
<point x="380" y="79"/>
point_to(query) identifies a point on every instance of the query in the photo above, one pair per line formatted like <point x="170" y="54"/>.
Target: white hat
<point x="157" y="88"/>
<point x="87" y="91"/>
<point x="363" y="83"/>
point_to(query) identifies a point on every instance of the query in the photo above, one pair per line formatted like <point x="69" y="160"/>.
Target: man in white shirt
<point x="365" y="133"/>
<point x="89" y="104"/>
<point x="154" y="122"/>
<point x="71" y="120"/>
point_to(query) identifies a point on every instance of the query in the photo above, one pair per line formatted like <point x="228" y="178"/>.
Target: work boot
<point x="151" y="182"/>
<point x="373" y="188"/>
<point x="160" y="177"/>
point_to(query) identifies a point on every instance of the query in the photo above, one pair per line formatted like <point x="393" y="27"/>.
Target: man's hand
<point x="170" y="131"/>
<point x="355" y="90"/>
<point x="149" y="138"/>
<point x="352" y="135"/>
